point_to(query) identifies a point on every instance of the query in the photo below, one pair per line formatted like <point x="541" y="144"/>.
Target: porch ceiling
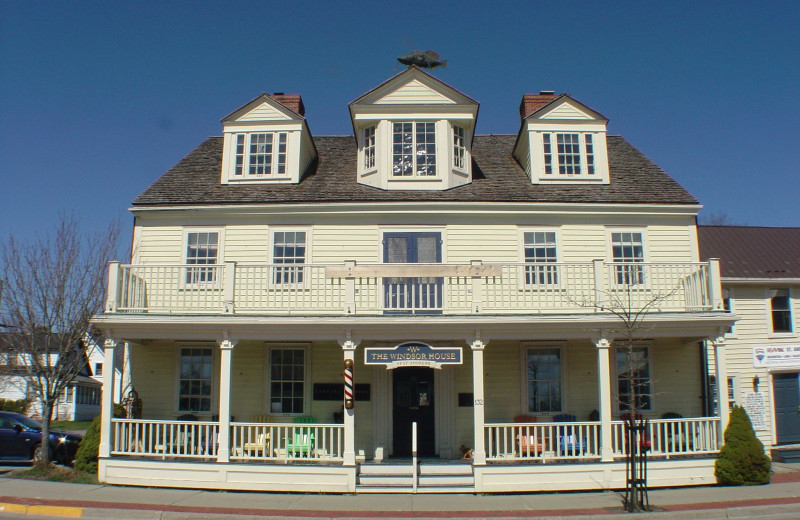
<point x="685" y="326"/>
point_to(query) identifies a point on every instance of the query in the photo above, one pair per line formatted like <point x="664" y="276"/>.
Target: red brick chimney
<point x="532" y="102"/>
<point x="290" y="101"/>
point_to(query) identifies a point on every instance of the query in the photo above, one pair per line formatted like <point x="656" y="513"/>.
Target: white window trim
<point x="648" y="344"/>
<point x="306" y="265"/>
<point x="768" y="307"/>
<point x="214" y="380"/>
<point x="612" y="280"/>
<point x="307" y="381"/>
<point x="524" y="404"/>
<point x="522" y="282"/>
<point x="220" y="257"/>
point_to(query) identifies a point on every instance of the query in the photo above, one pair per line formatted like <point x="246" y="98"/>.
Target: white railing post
<point x="228" y="297"/>
<point x="107" y="409"/>
<point x="349" y="455"/>
<point x="349" y="288"/>
<point x="714" y="284"/>
<point x="112" y="290"/>
<point x="414" y="471"/>
<point x="477" y="287"/>
<point x="223" y="437"/>
<point x="604" y="392"/>
<point x="479" y="419"/>
<point x="599" y="283"/>
<point x="722" y="386"/>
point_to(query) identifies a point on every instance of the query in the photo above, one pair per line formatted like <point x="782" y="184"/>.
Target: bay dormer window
<point x="413" y="149"/>
<point x="260" y="154"/>
<point x="574" y="154"/>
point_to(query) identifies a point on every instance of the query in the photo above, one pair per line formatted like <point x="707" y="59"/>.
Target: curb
<point x="41" y="509"/>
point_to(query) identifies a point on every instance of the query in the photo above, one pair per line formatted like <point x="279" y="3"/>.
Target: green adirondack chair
<point x="302" y="441"/>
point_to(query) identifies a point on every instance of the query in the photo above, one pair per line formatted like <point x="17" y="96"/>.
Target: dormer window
<point x="574" y="154"/>
<point x="369" y="147"/>
<point x="413" y="149"/>
<point x="459" y="148"/>
<point x="266" y="154"/>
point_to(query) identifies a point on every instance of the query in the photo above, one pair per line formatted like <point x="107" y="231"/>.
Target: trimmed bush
<point x="9" y="405"/>
<point x="742" y="460"/>
<point x="86" y="456"/>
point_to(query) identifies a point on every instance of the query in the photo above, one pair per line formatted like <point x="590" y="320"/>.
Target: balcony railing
<point x="374" y="289"/>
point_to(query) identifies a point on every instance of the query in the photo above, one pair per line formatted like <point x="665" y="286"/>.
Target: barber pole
<point x="349" y="402"/>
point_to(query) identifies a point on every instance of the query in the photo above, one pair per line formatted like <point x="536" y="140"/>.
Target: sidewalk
<point x="781" y="498"/>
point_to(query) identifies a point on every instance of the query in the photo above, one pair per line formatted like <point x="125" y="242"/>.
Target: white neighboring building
<point x="760" y="269"/>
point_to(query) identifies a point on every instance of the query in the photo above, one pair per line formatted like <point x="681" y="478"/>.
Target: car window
<point x="29" y="423"/>
<point x="6" y="423"/>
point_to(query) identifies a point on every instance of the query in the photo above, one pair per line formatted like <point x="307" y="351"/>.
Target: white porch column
<point x="604" y="392"/>
<point x="224" y="438"/>
<point x="349" y="348"/>
<point x="107" y="408"/>
<point x="479" y="411"/>
<point x="722" y="386"/>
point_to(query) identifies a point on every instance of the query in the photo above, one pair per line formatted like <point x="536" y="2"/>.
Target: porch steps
<point x="788" y="454"/>
<point x="433" y="477"/>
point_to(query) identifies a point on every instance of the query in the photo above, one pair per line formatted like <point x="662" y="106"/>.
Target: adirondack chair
<point x="569" y="441"/>
<point x="528" y="443"/>
<point x="302" y="440"/>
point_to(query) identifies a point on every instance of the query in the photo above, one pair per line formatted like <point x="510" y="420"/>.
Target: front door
<point x="413" y="402"/>
<point x="787" y="407"/>
<point x="415" y="295"/>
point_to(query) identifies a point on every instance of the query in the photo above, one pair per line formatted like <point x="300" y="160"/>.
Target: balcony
<point x="352" y="289"/>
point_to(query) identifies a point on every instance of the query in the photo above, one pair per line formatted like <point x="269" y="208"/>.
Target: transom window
<point x="202" y="248"/>
<point x="781" y="310"/>
<point x="628" y="247"/>
<point x="287" y="380"/>
<point x="289" y="247"/>
<point x="194" y="394"/>
<point x="260" y="154"/>
<point x="633" y="378"/>
<point x="369" y="147"/>
<point x="544" y="379"/>
<point x="540" y="248"/>
<point x="414" y="149"/>
<point x="459" y="148"/>
<point x="574" y="154"/>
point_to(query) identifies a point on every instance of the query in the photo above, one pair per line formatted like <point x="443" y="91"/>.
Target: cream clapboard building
<point x="296" y="305"/>
<point x="760" y="268"/>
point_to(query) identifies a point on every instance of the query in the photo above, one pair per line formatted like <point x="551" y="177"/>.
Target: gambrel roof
<point x="752" y="252"/>
<point x="497" y="177"/>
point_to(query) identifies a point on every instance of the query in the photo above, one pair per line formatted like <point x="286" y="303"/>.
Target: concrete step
<point x="446" y="480"/>
<point x="386" y="469"/>
<point x="787" y="454"/>
<point x="445" y="469"/>
<point x="420" y="490"/>
<point x="385" y="480"/>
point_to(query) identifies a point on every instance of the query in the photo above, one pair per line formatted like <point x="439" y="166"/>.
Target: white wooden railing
<point x="542" y="441"/>
<point x="285" y="442"/>
<point x="372" y="289"/>
<point x="177" y="439"/>
<point x="670" y="437"/>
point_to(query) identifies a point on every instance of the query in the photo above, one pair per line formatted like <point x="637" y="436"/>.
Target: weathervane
<point x="423" y="60"/>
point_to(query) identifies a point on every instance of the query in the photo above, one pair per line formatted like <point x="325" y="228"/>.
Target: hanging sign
<point x="413" y="354"/>
<point x="776" y="356"/>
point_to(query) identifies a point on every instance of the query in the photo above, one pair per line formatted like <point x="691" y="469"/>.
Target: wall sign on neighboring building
<point x="413" y="354"/>
<point x="756" y="409"/>
<point x="776" y="356"/>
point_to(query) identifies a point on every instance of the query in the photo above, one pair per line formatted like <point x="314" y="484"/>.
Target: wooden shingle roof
<point x="497" y="177"/>
<point x="752" y="252"/>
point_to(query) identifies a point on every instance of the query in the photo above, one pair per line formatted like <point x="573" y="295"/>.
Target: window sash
<point x="260" y="154"/>
<point x="628" y="247"/>
<point x="780" y="306"/>
<point x="289" y="247"/>
<point x="540" y="248"/>
<point x="543" y="375"/>
<point x="413" y="149"/>
<point x="202" y="248"/>
<point x="369" y="147"/>
<point x="574" y="153"/>
<point x="287" y="380"/>
<point x="194" y="379"/>
<point x="459" y="148"/>
<point x="633" y="372"/>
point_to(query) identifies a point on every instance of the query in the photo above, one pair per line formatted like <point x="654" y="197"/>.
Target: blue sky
<point x="98" y="99"/>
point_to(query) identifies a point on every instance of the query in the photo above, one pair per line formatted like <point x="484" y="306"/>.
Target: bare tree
<point x="718" y="218"/>
<point x="52" y="287"/>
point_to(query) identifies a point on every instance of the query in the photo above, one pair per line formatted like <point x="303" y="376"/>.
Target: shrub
<point x="9" y="405"/>
<point x="86" y="456"/>
<point x="742" y="460"/>
<point x="119" y="411"/>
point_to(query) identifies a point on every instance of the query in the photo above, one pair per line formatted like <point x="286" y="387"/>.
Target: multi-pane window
<point x="194" y="383"/>
<point x="260" y="154"/>
<point x="287" y="380"/>
<point x="574" y="154"/>
<point x="544" y="379"/>
<point x="781" y="310"/>
<point x="628" y="248"/>
<point x="289" y="247"/>
<point x="540" y="249"/>
<point x="98" y="369"/>
<point x="459" y="148"/>
<point x="369" y="147"/>
<point x="413" y="149"/>
<point x="87" y="395"/>
<point x="202" y="248"/>
<point x="633" y="378"/>
<point x="712" y="392"/>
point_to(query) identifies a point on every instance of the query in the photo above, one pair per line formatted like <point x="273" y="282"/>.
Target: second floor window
<point x="289" y="247"/>
<point x="260" y="154"/>
<point x="628" y="248"/>
<point x="369" y="147"/>
<point x="202" y="248"/>
<point x="459" y="148"/>
<point x="540" y="249"/>
<point x="574" y="154"/>
<point x="413" y="149"/>
<point x="780" y="306"/>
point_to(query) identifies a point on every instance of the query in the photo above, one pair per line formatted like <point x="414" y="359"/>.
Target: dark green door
<point x="787" y="407"/>
<point x="413" y="402"/>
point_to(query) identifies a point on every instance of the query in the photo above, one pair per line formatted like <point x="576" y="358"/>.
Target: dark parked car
<point x="21" y="439"/>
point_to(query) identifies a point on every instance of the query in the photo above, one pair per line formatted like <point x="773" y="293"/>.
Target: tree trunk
<point x="47" y="411"/>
